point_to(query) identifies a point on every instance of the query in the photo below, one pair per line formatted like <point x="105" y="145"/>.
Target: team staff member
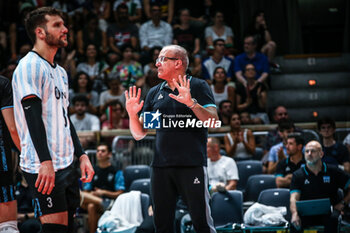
<point x="179" y="164"/>
<point x="48" y="139"/>
<point x="317" y="180"/>
<point x="293" y="162"/>
<point x="8" y="203"/>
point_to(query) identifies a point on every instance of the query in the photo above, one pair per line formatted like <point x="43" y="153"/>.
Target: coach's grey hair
<point x="180" y="53"/>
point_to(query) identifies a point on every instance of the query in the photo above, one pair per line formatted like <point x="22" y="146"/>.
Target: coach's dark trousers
<point x="191" y="183"/>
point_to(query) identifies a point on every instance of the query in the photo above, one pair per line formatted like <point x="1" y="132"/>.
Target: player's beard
<point x="50" y="40"/>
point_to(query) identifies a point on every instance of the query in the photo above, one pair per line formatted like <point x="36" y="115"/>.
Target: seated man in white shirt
<point x="222" y="170"/>
<point x="84" y="121"/>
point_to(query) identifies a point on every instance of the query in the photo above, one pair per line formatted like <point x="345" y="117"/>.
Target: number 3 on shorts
<point x="49" y="200"/>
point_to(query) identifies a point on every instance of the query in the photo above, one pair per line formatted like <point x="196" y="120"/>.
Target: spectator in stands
<point x="129" y="70"/>
<point x="334" y="152"/>
<point x="107" y="184"/>
<point x="218" y="31"/>
<point x="317" y="180"/>
<point x="91" y="34"/>
<point x="166" y="7"/>
<point x="101" y="8"/>
<point x="216" y="60"/>
<point x="260" y="31"/>
<point x="115" y="91"/>
<point x="151" y="72"/>
<point x="155" y="32"/>
<point x="17" y="32"/>
<point x="252" y="98"/>
<point x="273" y="137"/>
<point x="82" y="85"/>
<point x="346" y="142"/>
<point x="122" y="31"/>
<point x="222" y="170"/>
<point x="239" y="143"/>
<point x="246" y="119"/>
<point x="115" y="116"/>
<point x="278" y="152"/>
<point x="134" y="9"/>
<point x="251" y="56"/>
<point x="187" y="36"/>
<point x="92" y="66"/>
<point x="225" y="112"/>
<point x="67" y="6"/>
<point x="84" y="121"/>
<point x="286" y="167"/>
<point x="220" y="88"/>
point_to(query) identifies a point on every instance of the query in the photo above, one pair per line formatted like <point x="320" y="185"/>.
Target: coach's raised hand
<point x="133" y="104"/>
<point x="46" y="178"/>
<point x="182" y="84"/>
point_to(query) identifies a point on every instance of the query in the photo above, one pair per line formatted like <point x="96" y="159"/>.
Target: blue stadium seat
<point x="276" y="197"/>
<point x="247" y="168"/>
<point x="256" y="184"/>
<point x="134" y="172"/>
<point x="142" y="185"/>
<point x="227" y="208"/>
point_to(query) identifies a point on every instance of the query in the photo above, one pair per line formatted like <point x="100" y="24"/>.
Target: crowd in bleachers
<point x="114" y="45"/>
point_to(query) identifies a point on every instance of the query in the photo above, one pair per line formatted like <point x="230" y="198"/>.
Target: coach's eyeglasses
<point x="163" y="59"/>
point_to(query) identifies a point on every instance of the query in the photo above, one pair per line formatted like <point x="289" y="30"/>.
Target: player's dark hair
<point x="297" y="137"/>
<point x="80" y="98"/>
<point x="324" y="121"/>
<point x="285" y="124"/>
<point x="36" y="18"/>
<point x="75" y="82"/>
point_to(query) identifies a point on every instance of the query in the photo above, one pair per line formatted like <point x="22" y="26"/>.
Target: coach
<point x="179" y="164"/>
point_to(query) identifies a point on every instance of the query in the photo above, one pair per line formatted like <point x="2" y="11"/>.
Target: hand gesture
<point x="86" y="169"/>
<point x="296" y="220"/>
<point x="184" y="95"/>
<point x="240" y="136"/>
<point x="98" y="192"/>
<point x="281" y="154"/>
<point x="46" y="178"/>
<point x="71" y="55"/>
<point x="249" y="101"/>
<point x="133" y="104"/>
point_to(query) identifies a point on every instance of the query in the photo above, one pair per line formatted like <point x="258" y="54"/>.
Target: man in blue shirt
<point x="185" y="104"/>
<point x="251" y="56"/>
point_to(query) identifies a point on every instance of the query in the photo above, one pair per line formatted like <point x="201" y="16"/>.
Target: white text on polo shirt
<point x="191" y="123"/>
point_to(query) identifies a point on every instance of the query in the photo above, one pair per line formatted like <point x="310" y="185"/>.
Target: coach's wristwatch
<point x="194" y="103"/>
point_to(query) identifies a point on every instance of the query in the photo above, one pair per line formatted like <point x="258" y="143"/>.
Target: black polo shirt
<point x="324" y="185"/>
<point x="286" y="167"/>
<point x="336" y="154"/>
<point x="176" y="145"/>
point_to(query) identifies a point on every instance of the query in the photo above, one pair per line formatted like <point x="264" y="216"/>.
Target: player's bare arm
<point x="133" y="107"/>
<point x="87" y="171"/>
<point x="182" y="84"/>
<point x="7" y="113"/>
